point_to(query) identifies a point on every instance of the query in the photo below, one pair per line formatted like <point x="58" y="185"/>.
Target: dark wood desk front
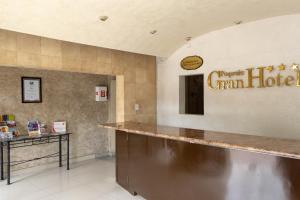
<point x="165" y="169"/>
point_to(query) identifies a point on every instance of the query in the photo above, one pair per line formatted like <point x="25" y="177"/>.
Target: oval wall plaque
<point x="191" y="62"/>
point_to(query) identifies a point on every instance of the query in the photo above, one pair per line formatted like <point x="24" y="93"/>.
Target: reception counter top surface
<point x="274" y="146"/>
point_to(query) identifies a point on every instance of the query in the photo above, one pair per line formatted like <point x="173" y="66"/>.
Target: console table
<point x="25" y="141"/>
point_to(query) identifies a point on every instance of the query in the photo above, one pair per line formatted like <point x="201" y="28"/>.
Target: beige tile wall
<point x="72" y="100"/>
<point x="139" y="71"/>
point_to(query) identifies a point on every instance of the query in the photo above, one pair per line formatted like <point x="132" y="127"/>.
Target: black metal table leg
<point x="68" y="152"/>
<point x="60" y="152"/>
<point x="2" y="170"/>
<point x="8" y="163"/>
<point x="23" y="142"/>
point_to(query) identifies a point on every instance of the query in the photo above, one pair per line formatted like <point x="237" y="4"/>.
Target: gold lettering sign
<point x="191" y="62"/>
<point x="259" y="77"/>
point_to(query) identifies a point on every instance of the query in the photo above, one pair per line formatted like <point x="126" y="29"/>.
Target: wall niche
<point x="191" y="94"/>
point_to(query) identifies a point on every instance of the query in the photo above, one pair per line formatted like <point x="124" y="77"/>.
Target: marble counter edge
<point x="208" y="143"/>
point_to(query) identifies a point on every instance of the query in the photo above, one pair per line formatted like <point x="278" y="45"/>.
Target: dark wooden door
<point x="194" y="99"/>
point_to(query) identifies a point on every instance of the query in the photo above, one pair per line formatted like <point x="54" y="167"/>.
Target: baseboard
<point x="104" y="155"/>
<point x="82" y="158"/>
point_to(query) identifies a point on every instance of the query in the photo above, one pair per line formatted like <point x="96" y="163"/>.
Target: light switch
<point x="136" y="107"/>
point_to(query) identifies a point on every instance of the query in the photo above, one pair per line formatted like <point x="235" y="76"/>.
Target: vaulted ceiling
<point x="131" y="21"/>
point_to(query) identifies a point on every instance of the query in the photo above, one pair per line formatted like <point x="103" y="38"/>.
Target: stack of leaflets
<point x="33" y="128"/>
<point x="8" y="126"/>
<point x="59" y="127"/>
<point x="3" y="127"/>
<point x="43" y="128"/>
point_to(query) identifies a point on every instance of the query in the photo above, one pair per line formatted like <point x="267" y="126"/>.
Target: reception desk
<point x="168" y="163"/>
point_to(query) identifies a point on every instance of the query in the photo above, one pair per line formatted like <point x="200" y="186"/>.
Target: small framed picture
<point x="31" y="90"/>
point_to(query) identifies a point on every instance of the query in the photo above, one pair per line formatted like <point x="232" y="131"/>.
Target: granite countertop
<point x="273" y="146"/>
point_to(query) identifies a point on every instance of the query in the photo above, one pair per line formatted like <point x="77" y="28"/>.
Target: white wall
<point x="269" y="111"/>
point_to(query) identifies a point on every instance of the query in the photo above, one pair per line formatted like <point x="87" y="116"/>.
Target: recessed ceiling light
<point x="153" y="32"/>
<point x="238" y="22"/>
<point x="103" y="18"/>
<point x="188" y="38"/>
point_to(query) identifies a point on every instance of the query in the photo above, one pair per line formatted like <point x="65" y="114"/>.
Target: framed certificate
<point x="31" y="90"/>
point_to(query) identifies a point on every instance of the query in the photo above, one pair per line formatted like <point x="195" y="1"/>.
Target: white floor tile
<point x="87" y="180"/>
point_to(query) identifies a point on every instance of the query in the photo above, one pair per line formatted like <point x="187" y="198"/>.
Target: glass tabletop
<point x="27" y="137"/>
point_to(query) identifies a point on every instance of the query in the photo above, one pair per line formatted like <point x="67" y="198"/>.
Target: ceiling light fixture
<point x="188" y="41"/>
<point x="238" y="22"/>
<point x="103" y="18"/>
<point x="188" y="38"/>
<point x="153" y="32"/>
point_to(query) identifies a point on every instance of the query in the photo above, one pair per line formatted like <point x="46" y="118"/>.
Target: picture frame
<point x="31" y="89"/>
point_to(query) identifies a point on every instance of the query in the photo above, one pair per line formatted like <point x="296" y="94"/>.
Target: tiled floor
<point x="87" y="180"/>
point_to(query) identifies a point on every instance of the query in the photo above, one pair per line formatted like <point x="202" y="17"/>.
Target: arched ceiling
<point x="130" y="21"/>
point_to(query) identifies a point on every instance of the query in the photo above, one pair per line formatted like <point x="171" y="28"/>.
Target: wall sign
<point x="31" y="90"/>
<point x="191" y="62"/>
<point x="260" y="77"/>
<point x="101" y="93"/>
